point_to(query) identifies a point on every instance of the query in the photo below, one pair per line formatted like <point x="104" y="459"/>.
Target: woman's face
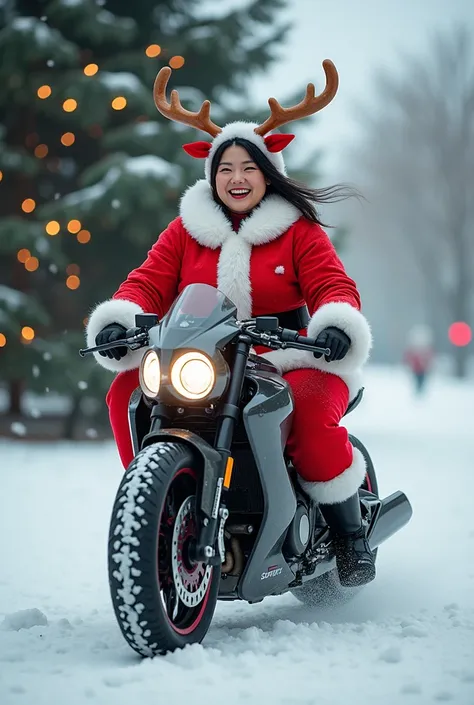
<point x="240" y="184"/>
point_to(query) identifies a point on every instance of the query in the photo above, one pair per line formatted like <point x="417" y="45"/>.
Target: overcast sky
<point x="360" y="36"/>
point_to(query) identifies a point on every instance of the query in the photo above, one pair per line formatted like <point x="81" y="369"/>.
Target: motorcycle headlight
<point x="193" y="375"/>
<point x="150" y="374"/>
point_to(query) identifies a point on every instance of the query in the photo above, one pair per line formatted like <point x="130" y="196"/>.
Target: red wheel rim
<point x="187" y="618"/>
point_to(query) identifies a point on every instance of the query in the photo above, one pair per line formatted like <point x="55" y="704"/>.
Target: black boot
<point x="354" y="559"/>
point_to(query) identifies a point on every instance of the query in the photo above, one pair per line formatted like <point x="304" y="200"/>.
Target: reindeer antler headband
<point x="271" y="144"/>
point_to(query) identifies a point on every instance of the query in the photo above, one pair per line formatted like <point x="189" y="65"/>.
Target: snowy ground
<point x="406" y="639"/>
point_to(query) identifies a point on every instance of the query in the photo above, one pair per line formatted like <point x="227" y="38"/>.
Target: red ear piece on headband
<point x="276" y="143"/>
<point x="198" y="150"/>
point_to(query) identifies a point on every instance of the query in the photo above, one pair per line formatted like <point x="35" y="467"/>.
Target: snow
<point x="107" y="18"/>
<point x="121" y="81"/>
<point x="42" y="245"/>
<point x="24" y="619"/>
<point x="93" y="193"/>
<point x="145" y="166"/>
<point x="18" y="428"/>
<point x="149" y="165"/>
<point x="147" y="129"/>
<point x="12" y="298"/>
<point x="408" y="637"/>
<point x="202" y="33"/>
<point x="43" y="34"/>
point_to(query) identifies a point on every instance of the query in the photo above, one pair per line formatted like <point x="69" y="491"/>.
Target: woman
<point x="254" y="233"/>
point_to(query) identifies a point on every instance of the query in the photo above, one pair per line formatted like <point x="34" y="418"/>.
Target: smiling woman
<point x="239" y="226"/>
<point x="239" y="182"/>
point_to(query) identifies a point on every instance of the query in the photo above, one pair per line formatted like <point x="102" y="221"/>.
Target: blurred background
<point x="90" y="173"/>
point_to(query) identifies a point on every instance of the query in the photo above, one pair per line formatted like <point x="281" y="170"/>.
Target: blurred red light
<point x="460" y="334"/>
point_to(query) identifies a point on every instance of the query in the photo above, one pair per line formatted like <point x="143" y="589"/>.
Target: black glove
<point x="336" y="340"/>
<point x="112" y="332"/>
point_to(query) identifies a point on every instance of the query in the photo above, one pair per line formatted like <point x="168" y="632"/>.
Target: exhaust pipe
<point x="394" y="513"/>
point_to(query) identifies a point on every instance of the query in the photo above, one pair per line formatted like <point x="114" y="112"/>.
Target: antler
<point x="175" y="111"/>
<point x="310" y="104"/>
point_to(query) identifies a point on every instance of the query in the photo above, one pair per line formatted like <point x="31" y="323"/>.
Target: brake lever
<point x="135" y="342"/>
<point x="294" y="341"/>
<point x="305" y="346"/>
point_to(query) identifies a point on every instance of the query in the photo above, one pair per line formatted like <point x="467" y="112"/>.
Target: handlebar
<point x="275" y="339"/>
<point x="283" y="338"/>
<point x="136" y="338"/>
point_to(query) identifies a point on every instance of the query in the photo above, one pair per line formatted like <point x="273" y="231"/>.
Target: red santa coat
<point x="277" y="261"/>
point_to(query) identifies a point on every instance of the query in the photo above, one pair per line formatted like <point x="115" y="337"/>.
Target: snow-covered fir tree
<point x="91" y="172"/>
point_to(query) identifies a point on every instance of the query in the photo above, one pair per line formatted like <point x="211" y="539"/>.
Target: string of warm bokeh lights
<point x="53" y="228"/>
<point x="41" y="150"/>
<point x="119" y="102"/>
<point x="69" y="104"/>
<point x="27" y="335"/>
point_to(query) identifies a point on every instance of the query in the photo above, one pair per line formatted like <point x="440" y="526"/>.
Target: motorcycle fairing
<point x="267" y="418"/>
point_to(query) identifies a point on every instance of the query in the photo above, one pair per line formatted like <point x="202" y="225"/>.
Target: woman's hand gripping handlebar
<point x="265" y="330"/>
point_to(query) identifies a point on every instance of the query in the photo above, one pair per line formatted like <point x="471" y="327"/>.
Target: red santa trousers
<point x="318" y="447"/>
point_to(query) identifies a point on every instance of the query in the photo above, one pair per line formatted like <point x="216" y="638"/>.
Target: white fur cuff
<point x="341" y="487"/>
<point x="346" y="317"/>
<point x="114" y="311"/>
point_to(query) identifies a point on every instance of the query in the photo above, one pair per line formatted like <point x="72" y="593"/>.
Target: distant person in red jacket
<point x="419" y="355"/>
<point x="254" y="233"/>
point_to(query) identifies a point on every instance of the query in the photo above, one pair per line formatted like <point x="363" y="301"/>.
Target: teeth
<point x="239" y="192"/>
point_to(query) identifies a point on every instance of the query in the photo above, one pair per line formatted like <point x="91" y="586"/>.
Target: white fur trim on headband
<point x="114" y="311"/>
<point x="245" y="130"/>
<point x="341" y="487"/>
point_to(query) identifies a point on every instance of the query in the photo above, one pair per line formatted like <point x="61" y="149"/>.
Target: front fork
<point x="210" y="544"/>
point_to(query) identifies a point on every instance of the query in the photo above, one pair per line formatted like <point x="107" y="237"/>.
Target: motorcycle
<point x="210" y="507"/>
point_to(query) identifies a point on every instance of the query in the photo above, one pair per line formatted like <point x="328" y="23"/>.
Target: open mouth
<point x="239" y="193"/>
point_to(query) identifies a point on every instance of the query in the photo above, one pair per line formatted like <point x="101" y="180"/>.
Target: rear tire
<point x="326" y="591"/>
<point x="162" y="601"/>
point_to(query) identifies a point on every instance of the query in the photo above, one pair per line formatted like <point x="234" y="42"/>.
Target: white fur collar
<point x="205" y="221"/>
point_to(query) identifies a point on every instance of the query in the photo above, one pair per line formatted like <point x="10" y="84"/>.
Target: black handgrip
<point x="302" y="341"/>
<point x="292" y="336"/>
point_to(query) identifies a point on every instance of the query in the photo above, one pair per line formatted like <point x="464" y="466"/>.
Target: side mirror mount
<point x="146" y="320"/>
<point x="267" y="324"/>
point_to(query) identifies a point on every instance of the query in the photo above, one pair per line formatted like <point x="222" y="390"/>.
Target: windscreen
<point x="199" y="305"/>
<point x="197" y="311"/>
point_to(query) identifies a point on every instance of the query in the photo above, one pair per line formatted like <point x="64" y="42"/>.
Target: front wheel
<point x="162" y="599"/>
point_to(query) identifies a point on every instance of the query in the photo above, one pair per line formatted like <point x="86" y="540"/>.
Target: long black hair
<point x="299" y="195"/>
